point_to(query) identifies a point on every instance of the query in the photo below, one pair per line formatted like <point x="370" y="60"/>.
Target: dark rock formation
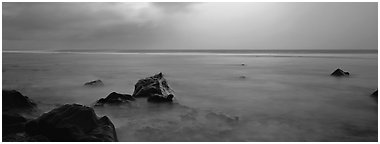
<point x="95" y="83"/>
<point x="13" y="123"/>
<point x="374" y="95"/>
<point x="72" y="122"/>
<point x="14" y="103"/>
<point x="14" y="100"/>
<point x="242" y="77"/>
<point x="155" y="88"/>
<point x="115" y="98"/>
<point x="339" y="73"/>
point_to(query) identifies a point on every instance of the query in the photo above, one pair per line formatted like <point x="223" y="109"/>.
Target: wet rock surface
<point x="155" y="88"/>
<point x="14" y="100"/>
<point x="114" y="99"/>
<point x="72" y="122"/>
<point x="339" y="73"/>
<point x="14" y="105"/>
<point x="95" y="83"/>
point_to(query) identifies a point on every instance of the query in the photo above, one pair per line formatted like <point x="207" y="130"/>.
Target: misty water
<point x="272" y="97"/>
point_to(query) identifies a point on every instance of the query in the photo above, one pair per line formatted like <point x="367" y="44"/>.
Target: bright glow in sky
<point x="39" y="26"/>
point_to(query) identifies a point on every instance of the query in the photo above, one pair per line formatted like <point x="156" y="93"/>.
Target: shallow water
<point x="271" y="98"/>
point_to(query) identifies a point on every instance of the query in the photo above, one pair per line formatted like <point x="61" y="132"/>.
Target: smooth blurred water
<point x="281" y="97"/>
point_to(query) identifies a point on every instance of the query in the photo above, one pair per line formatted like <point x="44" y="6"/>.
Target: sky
<point x="136" y="26"/>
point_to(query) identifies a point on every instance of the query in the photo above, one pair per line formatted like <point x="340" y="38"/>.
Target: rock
<point x="14" y="100"/>
<point x="72" y="122"/>
<point x="22" y="137"/>
<point x="95" y="83"/>
<point x="338" y="73"/>
<point x="13" y="123"/>
<point x="115" y="98"/>
<point x="374" y="95"/>
<point x="160" y="98"/>
<point x="155" y="88"/>
<point x="15" y="103"/>
<point x="242" y="64"/>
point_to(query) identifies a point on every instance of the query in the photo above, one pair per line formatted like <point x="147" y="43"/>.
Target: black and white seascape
<point x="190" y="72"/>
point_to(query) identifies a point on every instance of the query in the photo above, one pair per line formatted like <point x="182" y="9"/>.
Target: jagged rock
<point x="338" y="73"/>
<point x="15" y="103"/>
<point x="72" y="122"/>
<point x="155" y="88"/>
<point x="115" y="98"/>
<point x="14" y="100"/>
<point x="95" y="83"/>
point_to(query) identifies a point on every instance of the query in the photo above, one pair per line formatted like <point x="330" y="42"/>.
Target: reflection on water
<point x="217" y="98"/>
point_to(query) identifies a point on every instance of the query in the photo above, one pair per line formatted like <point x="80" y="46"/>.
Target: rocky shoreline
<point x="76" y="122"/>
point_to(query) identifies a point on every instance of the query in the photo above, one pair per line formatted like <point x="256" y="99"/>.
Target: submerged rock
<point x="155" y="88"/>
<point x="115" y="98"/>
<point x="72" y="122"/>
<point x="338" y="73"/>
<point x="14" y="100"/>
<point x="95" y="83"/>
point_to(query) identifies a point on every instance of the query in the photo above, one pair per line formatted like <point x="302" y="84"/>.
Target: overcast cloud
<point x="51" y="26"/>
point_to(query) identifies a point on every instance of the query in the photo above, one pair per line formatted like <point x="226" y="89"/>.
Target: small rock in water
<point x="242" y="64"/>
<point x="72" y="122"/>
<point x="374" y="95"/>
<point x="95" y="83"/>
<point x="155" y="88"/>
<point x="242" y="77"/>
<point x="115" y="98"/>
<point x="338" y="73"/>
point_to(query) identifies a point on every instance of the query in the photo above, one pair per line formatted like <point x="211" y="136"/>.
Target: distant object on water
<point x="95" y="83"/>
<point x="155" y="88"/>
<point x="242" y="64"/>
<point x="115" y="98"/>
<point x="339" y="73"/>
<point x="242" y="77"/>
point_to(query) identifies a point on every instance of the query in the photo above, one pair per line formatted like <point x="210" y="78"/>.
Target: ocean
<point x="240" y="95"/>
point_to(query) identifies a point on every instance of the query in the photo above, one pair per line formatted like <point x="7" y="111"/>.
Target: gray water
<point x="274" y="97"/>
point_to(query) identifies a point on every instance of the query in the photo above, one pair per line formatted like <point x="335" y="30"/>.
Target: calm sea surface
<point x="275" y="96"/>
